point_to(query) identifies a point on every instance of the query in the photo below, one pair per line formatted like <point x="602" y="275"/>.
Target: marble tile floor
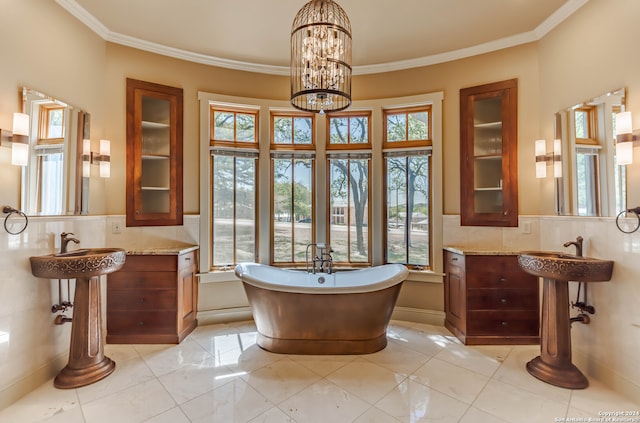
<point x="219" y="374"/>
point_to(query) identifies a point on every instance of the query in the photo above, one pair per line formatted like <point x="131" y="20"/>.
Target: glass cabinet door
<point x="154" y="154"/>
<point x="488" y="153"/>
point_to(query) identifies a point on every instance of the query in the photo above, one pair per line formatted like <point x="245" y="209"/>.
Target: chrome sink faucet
<point x="577" y="243"/>
<point x="64" y="240"/>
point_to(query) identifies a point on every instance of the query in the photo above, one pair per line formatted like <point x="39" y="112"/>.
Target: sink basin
<point x="565" y="267"/>
<point x="82" y="263"/>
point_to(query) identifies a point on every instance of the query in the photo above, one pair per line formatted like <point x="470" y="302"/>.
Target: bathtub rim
<point x="399" y="276"/>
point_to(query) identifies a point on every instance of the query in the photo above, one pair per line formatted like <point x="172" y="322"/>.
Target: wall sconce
<point x="624" y="138"/>
<point x="103" y="158"/>
<point x="542" y="158"/>
<point x="18" y="139"/>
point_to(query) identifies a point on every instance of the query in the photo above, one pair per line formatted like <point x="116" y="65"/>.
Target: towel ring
<point x="10" y="211"/>
<point x="625" y="221"/>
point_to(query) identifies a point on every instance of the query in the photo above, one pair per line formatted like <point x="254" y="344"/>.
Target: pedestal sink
<point x="554" y="365"/>
<point x="87" y="362"/>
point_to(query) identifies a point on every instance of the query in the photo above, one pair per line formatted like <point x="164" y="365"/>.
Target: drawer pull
<point x="504" y="323"/>
<point x="141" y="300"/>
<point x="503" y="300"/>
<point x="454" y="259"/>
<point x="140" y="323"/>
<point x="503" y="280"/>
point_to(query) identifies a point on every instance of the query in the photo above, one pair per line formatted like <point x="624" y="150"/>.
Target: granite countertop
<point x="480" y="251"/>
<point x="175" y="248"/>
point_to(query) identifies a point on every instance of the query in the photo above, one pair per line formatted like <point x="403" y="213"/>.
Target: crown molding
<point x="540" y="31"/>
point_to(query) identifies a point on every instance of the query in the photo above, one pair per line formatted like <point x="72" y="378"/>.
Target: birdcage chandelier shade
<point x="321" y="58"/>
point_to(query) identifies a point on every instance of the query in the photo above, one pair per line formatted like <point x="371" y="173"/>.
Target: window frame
<point x="409" y="149"/>
<point x="348" y="145"/>
<point x="235" y="110"/>
<point x="293" y="146"/>
<point x="349" y="151"/>
<point x="407" y="143"/>
<point x="592" y="125"/>
<point x="377" y="207"/>
<point x="236" y="149"/>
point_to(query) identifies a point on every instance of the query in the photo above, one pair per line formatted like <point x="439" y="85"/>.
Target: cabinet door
<point x="154" y="154"/>
<point x="488" y="154"/>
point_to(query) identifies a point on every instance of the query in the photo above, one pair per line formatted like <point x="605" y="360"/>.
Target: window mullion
<point x="406" y="209"/>
<point x="235" y="207"/>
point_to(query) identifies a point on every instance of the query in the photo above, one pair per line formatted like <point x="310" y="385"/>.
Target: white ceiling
<point x="255" y="35"/>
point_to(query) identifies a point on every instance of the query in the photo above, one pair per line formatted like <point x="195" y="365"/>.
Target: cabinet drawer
<point x="496" y="323"/>
<point x="453" y="259"/>
<point x="141" y="280"/>
<point x="187" y="260"/>
<point x="502" y="299"/>
<point x="155" y="263"/>
<point x="153" y="322"/>
<point x="497" y="272"/>
<point x="141" y="299"/>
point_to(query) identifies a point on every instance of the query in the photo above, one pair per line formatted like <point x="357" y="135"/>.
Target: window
<point x="587" y="170"/>
<point x="348" y="187"/>
<point x="234" y="127"/>
<point x="407" y="187"/>
<point x="292" y="130"/>
<point x="314" y="181"/>
<point x="49" y="157"/>
<point x="292" y="187"/>
<point x="585" y="125"/>
<point x="407" y="127"/>
<point x="349" y="130"/>
<point x="234" y="171"/>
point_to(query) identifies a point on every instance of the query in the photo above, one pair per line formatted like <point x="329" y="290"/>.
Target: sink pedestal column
<point x="87" y="362"/>
<point x="553" y="365"/>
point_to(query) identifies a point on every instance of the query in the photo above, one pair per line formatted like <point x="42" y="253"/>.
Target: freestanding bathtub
<point x="346" y="312"/>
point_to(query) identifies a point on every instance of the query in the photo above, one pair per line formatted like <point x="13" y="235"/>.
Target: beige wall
<point x="45" y="48"/>
<point x="520" y="62"/>
<point x="592" y="53"/>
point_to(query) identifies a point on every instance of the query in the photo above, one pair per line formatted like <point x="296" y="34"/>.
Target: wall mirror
<point x="52" y="181"/>
<point x="592" y="183"/>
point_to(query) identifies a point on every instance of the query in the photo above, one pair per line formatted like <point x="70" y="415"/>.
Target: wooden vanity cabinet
<point x="490" y="300"/>
<point x="153" y="299"/>
<point x="154" y="154"/>
<point x="488" y="154"/>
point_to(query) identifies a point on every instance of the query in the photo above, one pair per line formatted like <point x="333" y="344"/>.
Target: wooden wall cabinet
<point x="153" y="299"/>
<point x="154" y="154"/>
<point x="490" y="300"/>
<point x="488" y="155"/>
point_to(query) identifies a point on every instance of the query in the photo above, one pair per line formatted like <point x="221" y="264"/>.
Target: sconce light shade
<point x="20" y="124"/>
<point x="19" y="154"/>
<point x="86" y="158"/>
<point x="105" y="158"/>
<point x="624" y="153"/>
<point x="20" y="148"/>
<point x="541" y="159"/>
<point x="557" y="158"/>
<point x="624" y="123"/>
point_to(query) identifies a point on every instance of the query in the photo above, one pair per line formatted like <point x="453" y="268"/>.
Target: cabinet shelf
<point x="155" y="188"/>
<point x="489" y="189"/>
<point x="154" y="125"/>
<point x="488" y="125"/>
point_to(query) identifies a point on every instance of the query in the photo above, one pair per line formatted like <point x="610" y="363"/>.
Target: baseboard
<point x="225" y="315"/>
<point x="27" y="384"/>
<point x="418" y="315"/>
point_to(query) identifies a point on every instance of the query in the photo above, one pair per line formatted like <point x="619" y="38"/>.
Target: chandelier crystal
<point x="321" y="58"/>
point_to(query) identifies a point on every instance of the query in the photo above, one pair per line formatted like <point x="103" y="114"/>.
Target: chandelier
<point x="321" y="58"/>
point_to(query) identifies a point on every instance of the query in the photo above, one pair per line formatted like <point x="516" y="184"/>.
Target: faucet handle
<point x="66" y="234"/>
